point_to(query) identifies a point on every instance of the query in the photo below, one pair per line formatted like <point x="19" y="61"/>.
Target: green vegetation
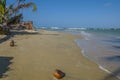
<point x="2" y="8"/>
<point x="11" y="15"/>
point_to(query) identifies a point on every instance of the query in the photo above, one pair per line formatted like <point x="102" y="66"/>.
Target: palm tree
<point x="25" y="5"/>
<point x="2" y="8"/>
<point x="8" y="14"/>
<point x="12" y="11"/>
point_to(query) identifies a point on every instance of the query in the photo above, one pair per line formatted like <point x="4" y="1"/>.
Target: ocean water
<point x="102" y="46"/>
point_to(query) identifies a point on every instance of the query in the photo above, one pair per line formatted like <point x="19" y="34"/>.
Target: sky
<point x="74" y="13"/>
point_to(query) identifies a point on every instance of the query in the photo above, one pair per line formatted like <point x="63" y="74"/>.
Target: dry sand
<point x="35" y="57"/>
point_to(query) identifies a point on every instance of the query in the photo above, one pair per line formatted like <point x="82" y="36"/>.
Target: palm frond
<point x="2" y="9"/>
<point x="27" y="5"/>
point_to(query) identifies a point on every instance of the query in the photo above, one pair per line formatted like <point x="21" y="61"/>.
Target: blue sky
<point x="75" y="13"/>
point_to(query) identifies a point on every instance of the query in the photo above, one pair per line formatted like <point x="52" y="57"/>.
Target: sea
<point x="100" y="45"/>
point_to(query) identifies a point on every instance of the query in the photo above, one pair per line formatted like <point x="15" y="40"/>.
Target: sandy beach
<point x="36" y="56"/>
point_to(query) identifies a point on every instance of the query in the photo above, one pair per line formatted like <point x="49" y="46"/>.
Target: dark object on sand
<point x="59" y="74"/>
<point x="11" y="43"/>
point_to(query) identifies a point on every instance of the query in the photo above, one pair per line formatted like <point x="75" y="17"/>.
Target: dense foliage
<point x="11" y="15"/>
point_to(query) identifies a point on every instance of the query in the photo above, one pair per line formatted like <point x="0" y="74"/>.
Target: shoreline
<point x="99" y="65"/>
<point x="37" y="56"/>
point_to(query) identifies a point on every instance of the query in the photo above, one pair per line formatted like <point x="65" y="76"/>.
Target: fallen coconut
<point x="59" y="74"/>
<point x="12" y="43"/>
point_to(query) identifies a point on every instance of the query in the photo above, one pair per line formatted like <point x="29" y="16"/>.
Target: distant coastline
<point x="75" y="28"/>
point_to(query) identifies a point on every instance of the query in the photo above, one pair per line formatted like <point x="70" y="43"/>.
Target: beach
<point x="36" y="56"/>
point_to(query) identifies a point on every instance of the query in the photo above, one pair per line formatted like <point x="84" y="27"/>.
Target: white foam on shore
<point x="100" y="67"/>
<point x="83" y="53"/>
<point x="86" y="35"/>
<point x="76" y="28"/>
<point x="118" y="77"/>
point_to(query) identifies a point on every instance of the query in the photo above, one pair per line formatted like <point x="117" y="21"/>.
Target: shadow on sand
<point x="12" y="34"/>
<point x="23" y="33"/>
<point x="4" y="65"/>
<point x="7" y="37"/>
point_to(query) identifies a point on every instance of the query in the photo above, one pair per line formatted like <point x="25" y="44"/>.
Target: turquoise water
<point x="105" y="31"/>
<point x="102" y="46"/>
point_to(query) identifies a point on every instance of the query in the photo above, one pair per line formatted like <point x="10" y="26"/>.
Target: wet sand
<point x="35" y="57"/>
